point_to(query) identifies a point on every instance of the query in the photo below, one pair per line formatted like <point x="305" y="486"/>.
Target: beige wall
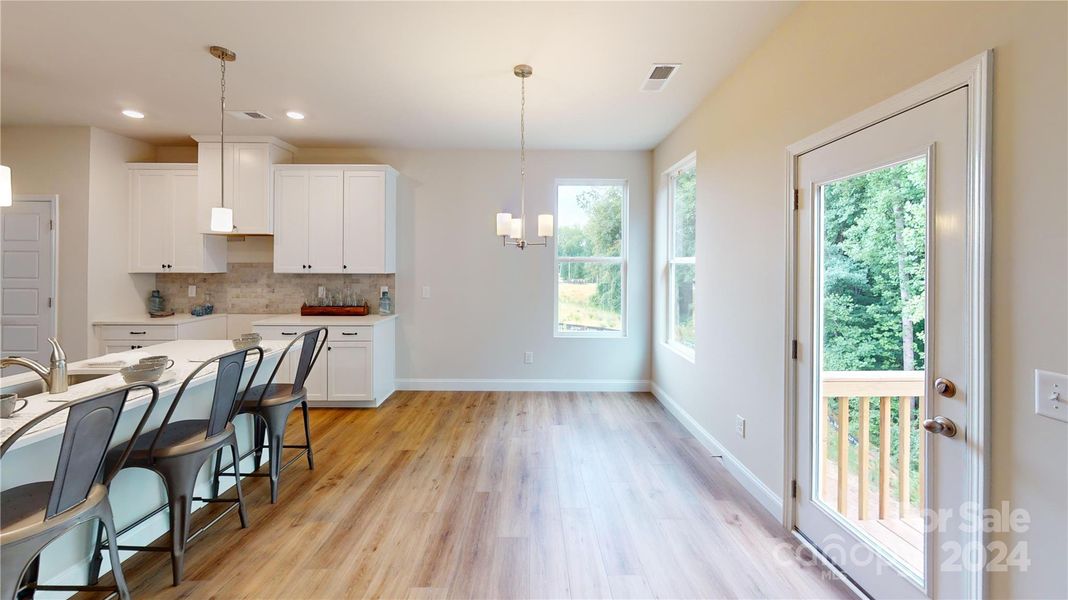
<point x="55" y="160"/>
<point x="825" y="63"/>
<point x="86" y="167"/>
<point x="112" y="291"/>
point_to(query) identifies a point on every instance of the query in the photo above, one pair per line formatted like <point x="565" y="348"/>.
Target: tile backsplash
<point x="255" y="288"/>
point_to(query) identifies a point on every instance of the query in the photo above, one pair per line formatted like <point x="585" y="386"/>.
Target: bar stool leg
<point x="180" y="477"/>
<point x="17" y="558"/>
<point x="218" y="472"/>
<point x="307" y="434"/>
<point x="108" y="521"/>
<point x="98" y="555"/>
<point x="258" y="442"/>
<point x="237" y="484"/>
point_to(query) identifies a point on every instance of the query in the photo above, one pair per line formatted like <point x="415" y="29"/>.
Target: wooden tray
<point x="334" y="311"/>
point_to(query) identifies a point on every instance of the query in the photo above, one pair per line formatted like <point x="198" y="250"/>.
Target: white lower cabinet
<point x="122" y="335"/>
<point x="357" y="366"/>
<point x="350" y="371"/>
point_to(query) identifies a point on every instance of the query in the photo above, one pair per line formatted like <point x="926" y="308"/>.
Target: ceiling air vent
<point x="248" y="115"/>
<point x="659" y="76"/>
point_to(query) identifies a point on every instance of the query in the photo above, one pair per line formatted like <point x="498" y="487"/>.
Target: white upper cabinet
<point x="335" y="219"/>
<point x="308" y="235"/>
<point x="247" y="186"/>
<point x="164" y="231"/>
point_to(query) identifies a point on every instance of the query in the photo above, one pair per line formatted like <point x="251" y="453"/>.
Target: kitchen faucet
<point x="55" y="377"/>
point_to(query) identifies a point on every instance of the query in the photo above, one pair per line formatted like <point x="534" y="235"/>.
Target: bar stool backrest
<point x="311" y="346"/>
<point x="225" y="398"/>
<point x="87" y="436"/>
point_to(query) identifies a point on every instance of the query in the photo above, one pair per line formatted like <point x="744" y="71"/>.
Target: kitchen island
<point x="134" y="492"/>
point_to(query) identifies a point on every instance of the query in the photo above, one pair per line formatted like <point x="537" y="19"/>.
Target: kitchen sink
<point x="37" y="386"/>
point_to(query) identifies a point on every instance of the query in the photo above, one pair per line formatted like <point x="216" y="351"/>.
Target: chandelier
<point x="513" y="230"/>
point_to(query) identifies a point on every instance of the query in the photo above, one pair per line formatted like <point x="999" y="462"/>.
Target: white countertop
<point x="187" y="355"/>
<point x="145" y="319"/>
<point x="297" y="319"/>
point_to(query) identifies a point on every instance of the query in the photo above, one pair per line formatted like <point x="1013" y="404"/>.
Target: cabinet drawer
<point x="280" y="332"/>
<point x="112" y="346"/>
<point x="139" y="332"/>
<point x="350" y="333"/>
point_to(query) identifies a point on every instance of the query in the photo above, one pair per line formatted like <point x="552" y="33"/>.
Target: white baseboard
<point x="525" y="385"/>
<point x="771" y="501"/>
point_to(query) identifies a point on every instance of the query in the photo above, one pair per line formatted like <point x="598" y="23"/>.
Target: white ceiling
<point x="405" y="74"/>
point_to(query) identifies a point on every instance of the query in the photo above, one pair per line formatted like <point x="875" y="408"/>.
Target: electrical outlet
<point x="192" y="291"/>
<point x="322" y="291"/>
<point x="739" y="425"/>
<point x="426" y="291"/>
<point x="528" y="358"/>
<point x="1051" y="395"/>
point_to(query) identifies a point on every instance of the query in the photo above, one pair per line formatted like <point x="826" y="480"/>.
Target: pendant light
<point x="513" y="230"/>
<point x="222" y="218"/>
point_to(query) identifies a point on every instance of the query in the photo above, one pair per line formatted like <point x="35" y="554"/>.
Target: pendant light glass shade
<point x="222" y="220"/>
<point x="545" y="226"/>
<point x="504" y="223"/>
<point x="5" y="186"/>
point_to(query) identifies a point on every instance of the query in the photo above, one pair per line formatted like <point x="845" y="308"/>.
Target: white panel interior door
<point x="893" y="194"/>
<point x="365" y="222"/>
<point x="291" y="233"/>
<point x="186" y="238"/>
<point x="27" y="281"/>
<point x="349" y="372"/>
<point x="325" y="222"/>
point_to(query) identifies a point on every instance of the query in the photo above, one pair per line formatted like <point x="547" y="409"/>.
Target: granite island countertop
<point x="187" y="355"/>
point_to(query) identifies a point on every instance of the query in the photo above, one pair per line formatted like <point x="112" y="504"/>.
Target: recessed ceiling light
<point x="295" y="115"/>
<point x="133" y="114"/>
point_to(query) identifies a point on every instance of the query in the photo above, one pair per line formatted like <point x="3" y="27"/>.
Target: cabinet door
<point x="325" y="222"/>
<point x="291" y="234"/>
<point x="151" y="233"/>
<point x="111" y="346"/>
<point x="208" y="174"/>
<point x="365" y="223"/>
<point x="188" y="241"/>
<point x="317" y="385"/>
<point x="252" y="201"/>
<point x="349" y="374"/>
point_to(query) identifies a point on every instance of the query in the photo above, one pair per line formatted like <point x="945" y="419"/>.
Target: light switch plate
<point x="528" y="358"/>
<point x="192" y="291"/>
<point x="426" y="291"/>
<point x="739" y="425"/>
<point x="1051" y="395"/>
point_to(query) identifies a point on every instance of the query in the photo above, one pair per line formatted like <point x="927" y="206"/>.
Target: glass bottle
<point x="385" y="303"/>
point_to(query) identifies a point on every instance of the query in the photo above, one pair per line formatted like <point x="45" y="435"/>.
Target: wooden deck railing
<point x="862" y="389"/>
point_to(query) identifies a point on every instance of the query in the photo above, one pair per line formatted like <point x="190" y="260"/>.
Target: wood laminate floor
<point x="496" y="495"/>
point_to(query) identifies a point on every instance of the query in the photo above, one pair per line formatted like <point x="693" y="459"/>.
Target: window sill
<point x="683" y="351"/>
<point x="589" y="336"/>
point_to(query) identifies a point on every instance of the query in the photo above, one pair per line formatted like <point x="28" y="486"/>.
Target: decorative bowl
<point x="142" y="373"/>
<point x="246" y="341"/>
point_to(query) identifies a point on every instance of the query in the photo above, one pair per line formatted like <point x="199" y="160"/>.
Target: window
<point x="591" y="266"/>
<point x="682" y="267"/>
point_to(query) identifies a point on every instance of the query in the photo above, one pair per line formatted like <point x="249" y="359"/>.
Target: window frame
<point x="624" y="253"/>
<point x="672" y="261"/>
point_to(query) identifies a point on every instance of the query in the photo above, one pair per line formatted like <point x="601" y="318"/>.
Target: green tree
<point x="603" y="232"/>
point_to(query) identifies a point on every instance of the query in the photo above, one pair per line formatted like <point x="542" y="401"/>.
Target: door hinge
<point x="49" y="302"/>
<point x="793" y="489"/>
<point x="797" y="198"/>
<point x="51" y="224"/>
<point x="793" y="349"/>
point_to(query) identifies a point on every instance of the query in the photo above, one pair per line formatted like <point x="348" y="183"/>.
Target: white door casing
<point x="28" y="230"/>
<point x="947" y="119"/>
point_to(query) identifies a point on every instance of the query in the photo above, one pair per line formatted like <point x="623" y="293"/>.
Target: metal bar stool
<point x="270" y="405"/>
<point x="36" y="514"/>
<point x="177" y="451"/>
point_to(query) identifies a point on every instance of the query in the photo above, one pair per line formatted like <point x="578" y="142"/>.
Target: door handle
<point x="945" y="387"/>
<point x="941" y="425"/>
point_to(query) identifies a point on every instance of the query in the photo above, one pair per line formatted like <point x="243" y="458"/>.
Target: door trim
<point x="975" y="74"/>
<point x="53" y="214"/>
